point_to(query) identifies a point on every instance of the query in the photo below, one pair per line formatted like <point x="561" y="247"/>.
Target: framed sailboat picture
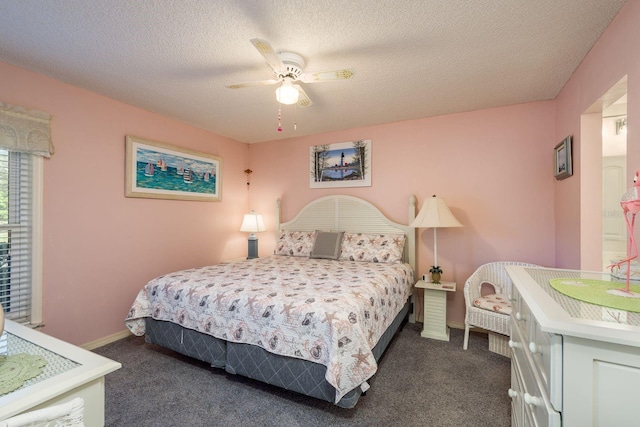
<point x="161" y="171"/>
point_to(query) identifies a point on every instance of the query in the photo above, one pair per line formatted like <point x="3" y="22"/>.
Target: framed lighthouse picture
<point x="162" y="171"/>
<point x="343" y="164"/>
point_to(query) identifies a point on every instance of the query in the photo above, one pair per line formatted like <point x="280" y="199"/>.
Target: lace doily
<point x="18" y="368"/>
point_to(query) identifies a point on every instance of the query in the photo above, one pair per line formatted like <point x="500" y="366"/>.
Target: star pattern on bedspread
<point x="329" y="317"/>
<point x="333" y="313"/>
<point x="250" y="302"/>
<point x="361" y="357"/>
<point x="191" y="292"/>
<point x="219" y="299"/>
<point x="287" y="309"/>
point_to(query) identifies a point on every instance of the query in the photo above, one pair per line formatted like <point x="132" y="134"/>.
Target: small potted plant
<point x="436" y="272"/>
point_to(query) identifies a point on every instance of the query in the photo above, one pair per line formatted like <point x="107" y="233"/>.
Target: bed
<point x="315" y="317"/>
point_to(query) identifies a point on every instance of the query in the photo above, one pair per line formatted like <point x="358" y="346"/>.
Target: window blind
<point x="16" y="235"/>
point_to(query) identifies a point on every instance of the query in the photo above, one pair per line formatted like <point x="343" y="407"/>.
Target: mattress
<point x="254" y="362"/>
<point x="325" y="312"/>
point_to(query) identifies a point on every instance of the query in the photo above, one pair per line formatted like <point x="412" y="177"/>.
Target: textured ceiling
<point x="411" y="59"/>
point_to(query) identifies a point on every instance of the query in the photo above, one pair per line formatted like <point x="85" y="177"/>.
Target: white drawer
<point x="536" y="401"/>
<point x="545" y="349"/>
<point x="520" y="315"/>
<point x="514" y="295"/>
<point x="546" y="352"/>
<point x="515" y="393"/>
<point x="529" y="421"/>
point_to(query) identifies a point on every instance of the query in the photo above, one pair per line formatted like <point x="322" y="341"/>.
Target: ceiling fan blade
<point x="269" y="54"/>
<point x="303" y="98"/>
<point x="250" y="84"/>
<point x="324" y="76"/>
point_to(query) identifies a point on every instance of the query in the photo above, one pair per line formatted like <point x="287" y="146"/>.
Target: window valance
<point x="25" y="130"/>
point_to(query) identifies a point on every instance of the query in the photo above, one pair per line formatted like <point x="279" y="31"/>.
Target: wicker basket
<point x="499" y="344"/>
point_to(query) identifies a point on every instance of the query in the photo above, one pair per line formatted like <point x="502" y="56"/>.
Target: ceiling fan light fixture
<point x="287" y="94"/>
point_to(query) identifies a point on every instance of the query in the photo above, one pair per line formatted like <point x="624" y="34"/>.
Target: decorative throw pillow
<point x="295" y="243"/>
<point x="327" y="245"/>
<point x="363" y="247"/>
<point x="494" y="302"/>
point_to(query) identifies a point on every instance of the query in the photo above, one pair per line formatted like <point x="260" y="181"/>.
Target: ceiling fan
<point x="288" y="69"/>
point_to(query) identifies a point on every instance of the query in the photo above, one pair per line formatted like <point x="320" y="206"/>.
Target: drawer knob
<point x="512" y="393"/>
<point x="532" y="400"/>
<point x="519" y="316"/>
<point x="514" y="344"/>
<point x="533" y="348"/>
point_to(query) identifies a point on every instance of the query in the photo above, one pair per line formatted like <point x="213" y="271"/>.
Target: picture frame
<point x="342" y="164"/>
<point x="563" y="165"/>
<point x="157" y="170"/>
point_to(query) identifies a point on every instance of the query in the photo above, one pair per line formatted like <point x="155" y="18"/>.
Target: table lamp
<point x="435" y="214"/>
<point x="252" y="223"/>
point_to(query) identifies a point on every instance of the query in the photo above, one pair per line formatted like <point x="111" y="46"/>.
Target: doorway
<point x="614" y="181"/>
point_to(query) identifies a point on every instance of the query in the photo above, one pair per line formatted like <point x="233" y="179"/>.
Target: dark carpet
<point x="420" y="382"/>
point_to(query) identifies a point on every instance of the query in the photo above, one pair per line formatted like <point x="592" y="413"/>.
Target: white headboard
<point x="348" y="213"/>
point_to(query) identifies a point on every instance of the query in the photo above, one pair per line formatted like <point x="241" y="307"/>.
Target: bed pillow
<point x="327" y="245"/>
<point x="363" y="247"/>
<point x="295" y="243"/>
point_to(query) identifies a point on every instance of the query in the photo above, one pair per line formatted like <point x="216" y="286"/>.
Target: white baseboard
<point x="106" y="340"/>
<point x="125" y="333"/>
<point x="455" y="325"/>
<point x="459" y="325"/>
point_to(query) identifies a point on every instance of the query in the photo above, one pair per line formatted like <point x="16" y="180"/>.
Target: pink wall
<point x="614" y="56"/>
<point x="100" y="248"/>
<point x="493" y="167"/>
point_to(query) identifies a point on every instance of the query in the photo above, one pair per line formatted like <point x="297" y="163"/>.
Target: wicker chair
<point x="68" y="414"/>
<point x="494" y="274"/>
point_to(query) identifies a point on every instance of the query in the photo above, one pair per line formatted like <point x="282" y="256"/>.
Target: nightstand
<point x="435" y="309"/>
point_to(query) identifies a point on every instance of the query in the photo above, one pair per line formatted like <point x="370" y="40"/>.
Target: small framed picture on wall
<point x="342" y="164"/>
<point x="562" y="159"/>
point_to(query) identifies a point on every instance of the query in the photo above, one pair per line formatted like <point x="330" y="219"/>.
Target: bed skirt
<point x="254" y="362"/>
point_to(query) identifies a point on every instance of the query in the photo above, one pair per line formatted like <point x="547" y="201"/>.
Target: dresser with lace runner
<point x="574" y="363"/>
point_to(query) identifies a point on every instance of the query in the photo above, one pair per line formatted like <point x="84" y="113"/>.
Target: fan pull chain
<point x="295" y="117"/>
<point x="279" y="118"/>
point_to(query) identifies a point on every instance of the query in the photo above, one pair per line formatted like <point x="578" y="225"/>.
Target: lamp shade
<point x="287" y="94"/>
<point x="252" y="223"/>
<point x="435" y="214"/>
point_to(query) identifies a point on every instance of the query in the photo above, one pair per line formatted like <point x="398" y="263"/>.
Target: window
<point x="20" y="236"/>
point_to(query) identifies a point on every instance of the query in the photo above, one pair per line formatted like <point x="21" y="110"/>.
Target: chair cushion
<point x="494" y="302"/>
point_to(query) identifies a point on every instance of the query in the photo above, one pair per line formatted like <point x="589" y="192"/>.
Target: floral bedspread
<point x="324" y="311"/>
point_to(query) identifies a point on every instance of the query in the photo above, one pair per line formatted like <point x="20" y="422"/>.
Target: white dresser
<point x="574" y="364"/>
